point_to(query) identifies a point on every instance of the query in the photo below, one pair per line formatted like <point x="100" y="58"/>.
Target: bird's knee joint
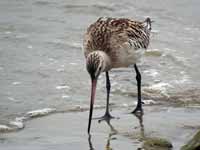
<point x="138" y="77"/>
<point x="108" y="86"/>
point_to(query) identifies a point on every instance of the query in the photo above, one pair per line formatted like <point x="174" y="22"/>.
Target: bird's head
<point x="96" y="63"/>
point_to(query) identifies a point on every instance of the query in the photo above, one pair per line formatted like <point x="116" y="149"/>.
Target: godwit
<point x="113" y="43"/>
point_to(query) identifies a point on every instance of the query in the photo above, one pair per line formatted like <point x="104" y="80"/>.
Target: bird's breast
<point x="126" y="56"/>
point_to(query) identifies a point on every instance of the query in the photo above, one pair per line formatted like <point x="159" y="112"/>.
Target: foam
<point x="62" y="87"/>
<point x="5" y="128"/>
<point x="16" y="83"/>
<point x="40" y="112"/>
<point x="17" y="124"/>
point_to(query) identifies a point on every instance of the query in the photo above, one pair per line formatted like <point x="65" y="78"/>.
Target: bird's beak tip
<point x="93" y="91"/>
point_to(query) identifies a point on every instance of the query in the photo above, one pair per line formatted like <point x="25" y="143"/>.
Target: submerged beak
<point x="93" y="91"/>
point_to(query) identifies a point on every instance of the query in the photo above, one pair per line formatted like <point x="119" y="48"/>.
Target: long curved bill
<point x="93" y="91"/>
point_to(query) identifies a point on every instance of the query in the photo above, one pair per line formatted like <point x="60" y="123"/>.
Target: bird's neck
<point x="105" y="60"/>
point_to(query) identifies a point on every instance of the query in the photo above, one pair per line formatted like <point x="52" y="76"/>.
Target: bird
<point x="114" y="43"/>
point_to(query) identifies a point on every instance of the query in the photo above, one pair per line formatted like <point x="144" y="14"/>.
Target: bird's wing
<point x="133" y="32"/>
<point x="111" y="33"/>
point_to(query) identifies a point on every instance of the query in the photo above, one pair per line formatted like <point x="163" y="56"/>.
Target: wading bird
<point x="114" y="43"/>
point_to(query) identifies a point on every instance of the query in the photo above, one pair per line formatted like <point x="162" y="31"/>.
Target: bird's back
<point x="115" y="35"/>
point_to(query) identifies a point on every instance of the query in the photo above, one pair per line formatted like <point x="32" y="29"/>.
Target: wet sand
<point x="68" y="131"/>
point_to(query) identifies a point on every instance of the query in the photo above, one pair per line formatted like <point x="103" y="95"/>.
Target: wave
<point x="72" y="7"/>
<point x="156" y="94"/>
<point x="19" y="122"/>
<point x="161" y="93"/>
<point x="153" y="52"/>
<point x="40" y="112"/>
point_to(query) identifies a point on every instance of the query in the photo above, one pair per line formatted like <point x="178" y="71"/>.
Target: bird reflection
<point x="113" y="132"/>
<point x="139" y="116"/>
<point x="90" y="142"/>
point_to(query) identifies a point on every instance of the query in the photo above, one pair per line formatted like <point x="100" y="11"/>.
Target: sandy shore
<point x="68" y="130"/>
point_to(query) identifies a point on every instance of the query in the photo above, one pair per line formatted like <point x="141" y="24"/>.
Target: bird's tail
<point x="147" y="23"/>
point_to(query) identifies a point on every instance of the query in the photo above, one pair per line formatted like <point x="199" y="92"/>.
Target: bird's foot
<point x="105" y="117"/>
<point x="137" y="111"/>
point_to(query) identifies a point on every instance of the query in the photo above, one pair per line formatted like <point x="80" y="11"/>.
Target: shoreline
<point x="68" y="130"/>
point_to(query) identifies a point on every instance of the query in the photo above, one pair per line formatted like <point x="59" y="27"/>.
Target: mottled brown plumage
<point x="113" y="43"/>
<point x="113" y="35"/>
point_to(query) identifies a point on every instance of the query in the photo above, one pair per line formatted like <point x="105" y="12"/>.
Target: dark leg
<point x="139" y="104"/>
<point x="108" y="93"/>
<point x="107" y="115"/>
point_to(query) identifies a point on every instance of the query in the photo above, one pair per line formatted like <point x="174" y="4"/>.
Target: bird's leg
<point x="138" y="108"/>
<point x="107" y="115"/>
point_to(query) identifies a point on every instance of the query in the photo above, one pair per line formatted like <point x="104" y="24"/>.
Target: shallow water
<point x="64" y="131"/>
<point x="42" y="63"/>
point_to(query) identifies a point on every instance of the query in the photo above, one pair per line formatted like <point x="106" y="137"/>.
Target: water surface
<point x="42" y="63"/>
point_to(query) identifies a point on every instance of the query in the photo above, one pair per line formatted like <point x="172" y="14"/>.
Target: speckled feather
<point x="114" y="35"/>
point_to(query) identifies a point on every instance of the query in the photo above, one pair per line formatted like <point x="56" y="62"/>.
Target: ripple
<point x="187" y="28"/>
<point x="14" y="100"/>
<point x="1" y="68"/>
<point x="29" y="46"/>
<point x="17" y="124"/>
<point x="151" y="72"/>
<point x="149" y="102"/>
<point x="60" y="70"/>
<point x="153" y="52"/>
<point x="184" y="79"/>
<point x="86" y="7"/>
<point x="16" y="83"/>
<point x="42" y="3"/>
<point x="40" y="112"/>
<point x="179" y="60"/>
<point x="155" y="31"/>
<point x="7" y="32"/>
<point x="65" y="96"/>
<point x="74" y="64"/>
<point x="4" y="128"/>
<point x="12" y="126"/>
<point x="60" y="87"/>
<point x="75" y="45"/>
<point x="21" y="36"/>
<point x="162" y="87"/>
